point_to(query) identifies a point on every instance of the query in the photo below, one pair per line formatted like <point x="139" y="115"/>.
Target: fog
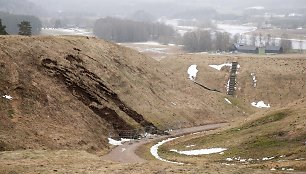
<point x="119" y="8"/>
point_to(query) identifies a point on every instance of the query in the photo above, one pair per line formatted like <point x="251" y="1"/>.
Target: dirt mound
<point x="73" y="92"/>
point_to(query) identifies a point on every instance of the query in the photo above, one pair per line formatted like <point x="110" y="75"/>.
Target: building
<point x="256" y="50"/>
<point x="274" y="49"/>
<point x="244" y="48"/>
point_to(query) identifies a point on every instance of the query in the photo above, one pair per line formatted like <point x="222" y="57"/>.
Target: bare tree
<point x="222" y="42"/>
<point x="253" y="39"/>
<point x="286" y="43"/>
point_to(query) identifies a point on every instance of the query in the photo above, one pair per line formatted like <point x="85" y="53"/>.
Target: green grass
<point x="277" y="116"/>
<point x="263" y="137"/>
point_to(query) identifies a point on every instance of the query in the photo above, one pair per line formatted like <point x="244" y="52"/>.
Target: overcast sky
<point x="158" y="7"/>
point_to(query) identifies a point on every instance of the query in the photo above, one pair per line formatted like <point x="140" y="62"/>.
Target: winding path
<point x="126" y="152"/>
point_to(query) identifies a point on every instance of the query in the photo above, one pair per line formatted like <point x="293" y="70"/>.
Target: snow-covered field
<point x="66" y="31"/>
<point x="235" y="29"/>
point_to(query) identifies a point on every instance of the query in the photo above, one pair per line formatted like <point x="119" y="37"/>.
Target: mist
<point x="123" y="8"/>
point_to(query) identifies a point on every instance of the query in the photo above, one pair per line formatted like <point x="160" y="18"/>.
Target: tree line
<point x="121" y="30"/>
<point x="24" y="28"/>
<point x="11" y="22"/>
<point x="206" y="40"/>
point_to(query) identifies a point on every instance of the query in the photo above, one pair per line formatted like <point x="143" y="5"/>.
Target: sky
<point x="157" y="7"/>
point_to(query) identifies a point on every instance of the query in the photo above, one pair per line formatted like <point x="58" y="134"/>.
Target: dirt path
<point x="126" y="152"/>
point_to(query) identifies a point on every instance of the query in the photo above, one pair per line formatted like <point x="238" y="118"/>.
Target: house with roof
<point x="274" y="49"/>
<point x="269" y="49"/>
<point x="244" y="48"/>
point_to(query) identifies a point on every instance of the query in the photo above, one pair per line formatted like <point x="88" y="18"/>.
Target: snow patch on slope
<point x="7" y="97"/>
<point x="192" y="72"/>
<point x="154" y="151"/>
<point x="200" y="151"/>
<point x="260" y="104"/>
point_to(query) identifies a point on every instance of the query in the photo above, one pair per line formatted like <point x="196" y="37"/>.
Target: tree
<point x="222" y="42"/>
<point x="58" y="24"/>
<point x="269" y="39"/>
<point x="286" y="43"/>
<point x="2" y="29"/>
<point x="25" y="28"/>
<point x="253" y="39"/>
<point x="236" y="38"/>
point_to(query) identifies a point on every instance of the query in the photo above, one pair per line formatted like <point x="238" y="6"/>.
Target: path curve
<point x="126" y="152"/>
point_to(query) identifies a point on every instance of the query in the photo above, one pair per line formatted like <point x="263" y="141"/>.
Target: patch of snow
<point x="227" y="100"/>
<point x="260" y="104"/>
<point x="267" y="158"/>
<point x="227" y="86"/>
<point x="200" y="151"/>
<point x="290" y="169"/>
<point x="273" y="169"/>
<point x="116" y="142"/>
<point x="219" y="67"/>
<point x="148" y="43"/>
<point x="192" y="72"/>
<point x="254" y="79"/>
<point x="154" y="151"/>
<point x="8" y="97"/>
<point x="123" y="149"/>
<point x="229" y="159"/>
<point x="190" y="146"/>
<point x="242" y="160"/>
<point x="228" y="164"/>
<point x="66" y="31"/>
<point x="173" y="103"/>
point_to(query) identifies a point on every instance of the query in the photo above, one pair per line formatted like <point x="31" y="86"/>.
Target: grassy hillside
<point x="280" y="78"/>
<point x="73" y="92"/>
<point x="279" y="135"/>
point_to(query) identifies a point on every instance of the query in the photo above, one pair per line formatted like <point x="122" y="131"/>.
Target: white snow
<point x="192" y="72"/>
<point x="116" y="142"/>
<point x="66" y="31"/>
<point x="260" y="104"/>
<point x="152" y="43"/>
<point x="235" y="29"/>
<point x="190" y="146"/>
<point x="8" y="97"/>
<point x="219" y="67"/>
<point x="254" y="79"/>
<point x="227" y="85"/>
<point x="200" y="151"/>
<point x="273" y="169"/>
<point x="154" y="151"/>
<point x="229" y="159"/>
<point x="267" y="158"/>
<point x="227" y="100"/>
<point x="123" y="149"/>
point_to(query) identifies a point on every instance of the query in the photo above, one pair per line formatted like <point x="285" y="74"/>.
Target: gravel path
<point x="126" y="152"/>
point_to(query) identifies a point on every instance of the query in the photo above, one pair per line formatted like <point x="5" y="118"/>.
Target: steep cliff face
<point x="74" y="92"/>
